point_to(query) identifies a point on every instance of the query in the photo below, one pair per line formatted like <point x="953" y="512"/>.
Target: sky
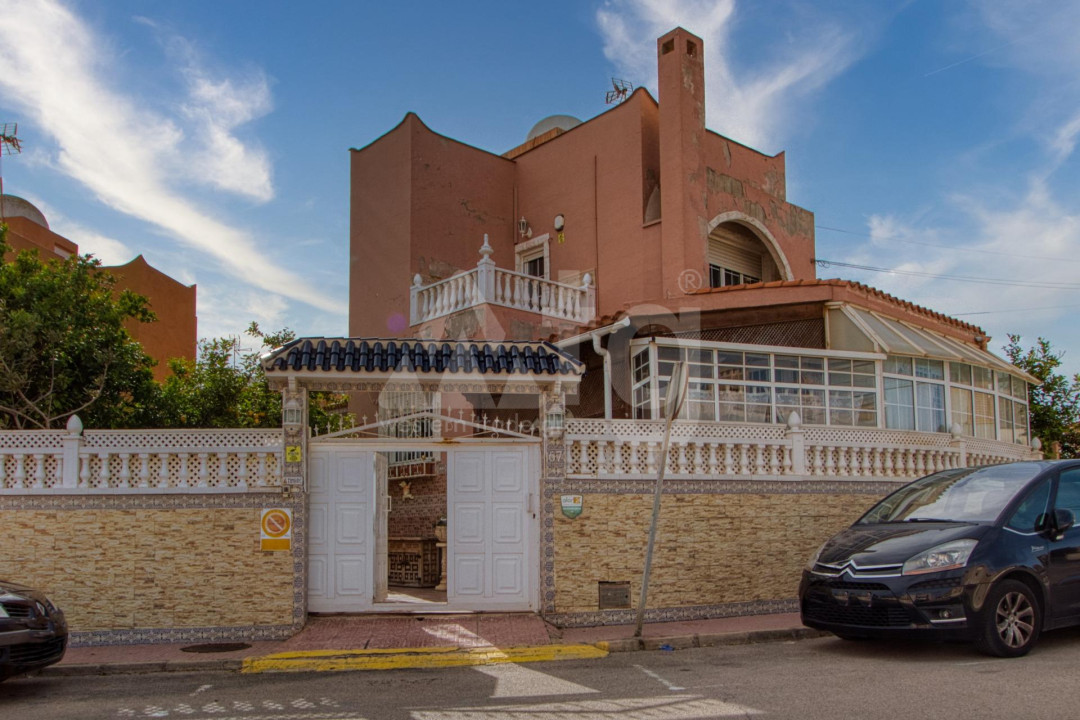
<point x="935" y="142"/>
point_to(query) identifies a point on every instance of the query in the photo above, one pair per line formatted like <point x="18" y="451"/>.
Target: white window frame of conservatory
<point x="654" y="378"/>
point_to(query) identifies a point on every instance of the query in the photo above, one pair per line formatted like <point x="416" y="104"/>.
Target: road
<point x="808" y="680"/>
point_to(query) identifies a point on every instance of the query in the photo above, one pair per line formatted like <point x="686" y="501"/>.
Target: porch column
<point x="294" y="414"/>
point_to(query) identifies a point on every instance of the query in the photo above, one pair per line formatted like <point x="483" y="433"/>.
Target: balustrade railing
<point x="488" y="284"/>
<point x="631" y="449"/>
<point x="122" y="461"/>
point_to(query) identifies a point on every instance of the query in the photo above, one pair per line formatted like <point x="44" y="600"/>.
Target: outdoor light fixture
<point x="555" y="421"/>
<point x="292" y="412"/>
<point x="523" y="227"/>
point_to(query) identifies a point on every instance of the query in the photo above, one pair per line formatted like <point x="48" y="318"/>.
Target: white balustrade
<point x="488" y="284"/>
<point x="139" y="461"/>
<point x="616" y="449"/>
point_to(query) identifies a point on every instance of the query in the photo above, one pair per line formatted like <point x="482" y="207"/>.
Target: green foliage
<point x="63" y="346"/>
<point x="224" y="388"/>
<point x="1055" y="404"/>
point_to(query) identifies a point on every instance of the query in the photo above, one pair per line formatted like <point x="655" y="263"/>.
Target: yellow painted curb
<point x="431" y="657"/>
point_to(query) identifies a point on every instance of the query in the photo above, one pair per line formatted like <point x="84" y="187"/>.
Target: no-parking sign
<point x="275" y="529"/>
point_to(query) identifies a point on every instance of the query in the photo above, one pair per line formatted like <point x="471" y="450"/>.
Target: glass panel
<point x="929" y="369"/>
<point x="840" y="379"/>
<point x="786" y="361"/>
<point x="787" y="376"/>
<point x="724" y="372"/>
<point x="899" y="404"/>
<point x="838" y="365"/>
<point x="1004" y="382"/>
<point x="930" y="407"/>
<point x="813" y="363"/>
<point x="730" y="412"/>
<point x="1005" y="420"/>
<point x="813" y="416"/>
<point x="669" y="353"/>
<point x="982" y="377"/>
<point x="727" y="357"/>
<point x="1019" y="388"/>
<point x="864" y="400"/>
<point x="960" y="373"/>
<point x="864" y="418"/>
<point x="866" y="367"/>
<point x="984" y="416"/>
<point x="1021" y="416"/>
<point x="897" y="365"/>
<point x="962" y="410"/>
<point x="868" y="381"/>
<point x="758" y="374"/>
<point x="839" y="399"/>
<point x="813" y="378"/>
<point x="1034" y="505"/>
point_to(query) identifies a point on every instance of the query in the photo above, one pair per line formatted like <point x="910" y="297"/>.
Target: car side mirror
<point x="1057" y="522"/>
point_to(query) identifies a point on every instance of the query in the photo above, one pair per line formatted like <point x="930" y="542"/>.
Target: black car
<point x="33" y="631"/>
<point x="987" y="554"/>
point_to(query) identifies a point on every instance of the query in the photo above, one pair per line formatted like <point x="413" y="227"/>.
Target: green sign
<point x="571" y="505"/>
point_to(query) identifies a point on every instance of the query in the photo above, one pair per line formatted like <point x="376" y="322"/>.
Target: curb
<point x="335" y="660"/>
<point x="402" y="658"/>
<point x="683" y="642"/>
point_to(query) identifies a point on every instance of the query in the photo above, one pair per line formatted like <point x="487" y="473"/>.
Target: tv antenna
<point x="620" y="90"/>
<point x="9" y="145"/>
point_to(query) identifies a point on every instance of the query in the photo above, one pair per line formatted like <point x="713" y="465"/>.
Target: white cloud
<point x="755" y="106"/>
<point x="59" y="72"/>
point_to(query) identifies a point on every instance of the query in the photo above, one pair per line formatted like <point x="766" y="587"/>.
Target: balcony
<point x="487" y="284"/>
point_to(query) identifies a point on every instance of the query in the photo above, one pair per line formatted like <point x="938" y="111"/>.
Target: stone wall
<point x="719" y="546"/>
<point x="156" y="568"/>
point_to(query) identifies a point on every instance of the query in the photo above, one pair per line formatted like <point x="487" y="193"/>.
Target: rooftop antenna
<point x="620" y="90"/>
<point x="9" y="145"/>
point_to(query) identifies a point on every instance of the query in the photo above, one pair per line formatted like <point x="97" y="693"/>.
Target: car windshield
<point x="963" y="495"/>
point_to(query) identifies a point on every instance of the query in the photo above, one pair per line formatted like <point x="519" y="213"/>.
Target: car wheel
<point x="1011" y="620"/>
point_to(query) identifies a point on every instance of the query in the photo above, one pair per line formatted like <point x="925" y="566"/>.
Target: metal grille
<point x="37" y="652"/>
<point x="17" y="610"/>
<point x="856" y="615"/>
<point x="808" y="333"/>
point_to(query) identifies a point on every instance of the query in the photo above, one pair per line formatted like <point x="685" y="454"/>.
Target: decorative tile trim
<point x="297" y="502"/>
<point x="205" y="501"/>
<point x="676" y="614"/>
<point x="156" y="636"/>
<point x="618" y="486"/>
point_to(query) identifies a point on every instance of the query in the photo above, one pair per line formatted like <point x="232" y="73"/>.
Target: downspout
<point x="606" y="355"/>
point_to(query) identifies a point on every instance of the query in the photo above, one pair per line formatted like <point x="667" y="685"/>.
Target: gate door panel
<point x="341" y="537"/>
<point x="489" y="543"/>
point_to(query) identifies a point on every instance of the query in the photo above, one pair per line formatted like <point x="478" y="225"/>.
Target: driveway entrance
<point x="492" y="527"/>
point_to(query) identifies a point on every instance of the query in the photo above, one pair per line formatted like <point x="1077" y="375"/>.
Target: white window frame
<point x="537" y="247"/>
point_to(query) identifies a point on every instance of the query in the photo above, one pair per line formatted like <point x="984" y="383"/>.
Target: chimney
<point x="681" y="80"/>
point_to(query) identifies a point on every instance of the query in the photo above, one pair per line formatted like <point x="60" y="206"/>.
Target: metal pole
<point x="652" y="529"/>
<point x="673" y="403"/>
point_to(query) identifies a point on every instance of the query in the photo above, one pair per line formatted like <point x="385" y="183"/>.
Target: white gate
<point x="492" y="539"/>
<point x="492" y="534"/>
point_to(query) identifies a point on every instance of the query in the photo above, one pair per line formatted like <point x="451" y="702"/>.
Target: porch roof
<point x="405" y="359"/>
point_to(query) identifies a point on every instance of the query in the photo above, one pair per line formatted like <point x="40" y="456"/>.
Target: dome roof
<point x="15" y="206"/>
<point x="563" y="122"/>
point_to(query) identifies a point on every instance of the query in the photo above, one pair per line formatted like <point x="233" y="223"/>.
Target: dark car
<point x="987" y="554"/>
<point x="33" y="631"/>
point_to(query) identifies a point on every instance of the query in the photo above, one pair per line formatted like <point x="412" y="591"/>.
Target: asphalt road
<point x="809" y="679"/>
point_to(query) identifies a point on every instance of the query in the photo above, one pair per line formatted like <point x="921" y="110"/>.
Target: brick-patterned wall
<point x="416" y="516"/>
<point x="711" y="548"/>
<point x="123" y="569"/>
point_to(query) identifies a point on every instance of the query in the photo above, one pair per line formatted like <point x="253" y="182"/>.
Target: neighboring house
<point x="173" y="335"/>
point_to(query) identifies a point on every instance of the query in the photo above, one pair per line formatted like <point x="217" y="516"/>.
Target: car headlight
<point x="814" y="558"/>
<point x="948" y="556"/>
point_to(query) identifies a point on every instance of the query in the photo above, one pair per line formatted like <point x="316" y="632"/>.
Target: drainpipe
<point x="606" y="355"/>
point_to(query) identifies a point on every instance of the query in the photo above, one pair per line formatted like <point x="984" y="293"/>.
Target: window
<point x="1026" y="517"/>
<point x="741" y="386"/>
<point x="532" y="257"/>
<point x="1068" y="494"/>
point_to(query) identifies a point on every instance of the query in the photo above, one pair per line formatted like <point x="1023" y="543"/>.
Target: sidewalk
<point x="403" y="641"/>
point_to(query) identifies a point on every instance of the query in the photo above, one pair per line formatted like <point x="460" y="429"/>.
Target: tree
<point x="223" y="388"/>
<point x="63" y="346"/>
<point x="1055" y="404"/>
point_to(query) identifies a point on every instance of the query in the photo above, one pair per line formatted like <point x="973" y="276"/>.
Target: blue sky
<point x="929" y="138"/>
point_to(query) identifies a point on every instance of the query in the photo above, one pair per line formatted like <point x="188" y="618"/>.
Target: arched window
<point x="736" y="256"/>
